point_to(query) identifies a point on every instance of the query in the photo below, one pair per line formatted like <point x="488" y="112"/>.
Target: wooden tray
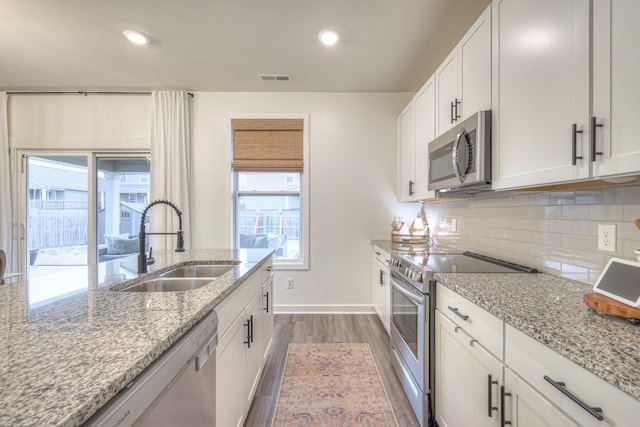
<point x="609" y="305"/>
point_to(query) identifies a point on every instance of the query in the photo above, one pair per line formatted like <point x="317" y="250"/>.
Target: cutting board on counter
<point x="609" y="305"/>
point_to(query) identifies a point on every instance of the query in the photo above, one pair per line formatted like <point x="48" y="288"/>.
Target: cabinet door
<point x="253" y="349"/>
<point x="616" y="60"/>
<point x="266" y="322"/>
<point x="447" y="94"/>
<point x="425" y="118"/>
<point x="525" y="407"/>
<point x="474" y="66"/>
<point x="406" y="153"/>
<point x="540" y="90"/>
<point x="468" y="379"/>
<point x="229" y="375"/>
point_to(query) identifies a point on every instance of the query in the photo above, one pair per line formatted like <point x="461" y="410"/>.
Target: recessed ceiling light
<point x="328" y="37"/>
<point x="136" y="37"/>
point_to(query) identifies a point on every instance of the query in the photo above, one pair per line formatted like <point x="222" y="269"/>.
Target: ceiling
<point x="222" y="45"/>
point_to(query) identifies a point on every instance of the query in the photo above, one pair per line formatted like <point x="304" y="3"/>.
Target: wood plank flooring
<point x="320" y="328"/>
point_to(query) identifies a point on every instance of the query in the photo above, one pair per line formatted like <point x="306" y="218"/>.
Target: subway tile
<point x="575" y="212"/>
<point x="631" y="212"/>
<point x="586" y="228"/>
<point x="590" y="259"/>
<point x="606" y="212"/>
<point x="626" y="194"/>
<point x="561" y="198"/>
<point x="589" y="197"/>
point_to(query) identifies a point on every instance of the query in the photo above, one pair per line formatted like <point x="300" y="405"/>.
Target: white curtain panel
<point x="170" y="165"/>
<point x="6" y="209"/>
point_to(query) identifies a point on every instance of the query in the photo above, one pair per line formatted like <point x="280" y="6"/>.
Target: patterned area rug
<point x="332" y="385"/>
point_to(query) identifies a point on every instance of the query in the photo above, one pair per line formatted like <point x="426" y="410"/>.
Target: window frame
<point x="278" y="264"/>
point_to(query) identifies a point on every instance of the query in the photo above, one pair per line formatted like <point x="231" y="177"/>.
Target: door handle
<point x="457" y="313"/>
<point x="562" y="388"/>
<point x="267" y="297"/>
<point x="411" y="188"/>
<point x="381" y="278"/>
<point x="490" y="407"/>
<point x="503" y="422"/>
<point x="594" y="126"/>
<point x="574" y="143"/>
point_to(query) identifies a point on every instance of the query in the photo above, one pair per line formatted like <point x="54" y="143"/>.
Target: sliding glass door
<point x="57" y="212"/>
<point x="80" y="208"/>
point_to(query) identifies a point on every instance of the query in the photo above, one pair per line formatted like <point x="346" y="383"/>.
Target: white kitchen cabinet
<point x="540" y="91"/>
<point x="416" y="128"/>
<point x="616" y="87"/>
<point x="537" y="364"/>
<point x="406" y="153"/>
<point x="267" y="318"/>
<point x="245" y="333"/>
<point x="382" y="286"/>
<point x="525" y="407"/>
<point x="253" y="351"/>
<point x="468" y="378"/>
<point x="463" y="80"/>
<point x="230" y="410"/>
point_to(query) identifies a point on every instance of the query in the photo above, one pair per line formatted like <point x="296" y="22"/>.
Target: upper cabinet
<point x="463" y="80"/>
<point x="614" y="148"/>
<point x="545" y="131"/>
<point x="416" y="128"/>
<point x="540" y="92"/>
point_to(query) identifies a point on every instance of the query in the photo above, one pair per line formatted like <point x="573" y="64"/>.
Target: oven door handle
<point x="413" y="297"/>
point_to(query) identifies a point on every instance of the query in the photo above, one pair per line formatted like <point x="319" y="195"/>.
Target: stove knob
<point x="412" y="274"/>
<point x="418" y="277"/>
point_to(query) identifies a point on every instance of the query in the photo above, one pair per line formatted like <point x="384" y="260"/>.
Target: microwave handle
<point x="455" y="157"/>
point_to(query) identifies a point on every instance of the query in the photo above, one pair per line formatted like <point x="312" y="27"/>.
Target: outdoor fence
<point x="57" y="227"/>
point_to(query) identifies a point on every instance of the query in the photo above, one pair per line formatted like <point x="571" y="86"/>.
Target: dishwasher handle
<point x="208" y="351"/>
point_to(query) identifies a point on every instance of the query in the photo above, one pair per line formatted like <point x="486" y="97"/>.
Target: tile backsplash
<point x="553" y="231"/>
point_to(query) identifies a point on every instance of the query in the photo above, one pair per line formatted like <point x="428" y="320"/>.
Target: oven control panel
<point x="407" y="270"/>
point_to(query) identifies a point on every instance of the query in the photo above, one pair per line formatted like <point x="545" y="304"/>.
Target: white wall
<point x="352" y="187"/>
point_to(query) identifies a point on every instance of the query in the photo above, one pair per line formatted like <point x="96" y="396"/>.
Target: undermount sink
<point x="168" y="284"/>
<point x="199" y="270"/>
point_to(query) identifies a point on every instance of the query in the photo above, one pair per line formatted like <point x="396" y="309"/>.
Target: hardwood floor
<point x="357" y="328"/>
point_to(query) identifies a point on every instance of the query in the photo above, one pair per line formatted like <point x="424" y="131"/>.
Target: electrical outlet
<point x="607" y="238"/>
<point x="289" y="283"/>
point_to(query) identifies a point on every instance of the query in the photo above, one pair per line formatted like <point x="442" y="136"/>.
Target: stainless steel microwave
<point x="460" y="159"/>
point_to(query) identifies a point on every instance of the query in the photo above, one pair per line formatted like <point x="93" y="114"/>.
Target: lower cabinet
<point x="534" y="386"/>
<point x="245" y="331"/>
<point x="525" y="407"/>
<point x="468" y="379"/>
<point x="382" y="286"/>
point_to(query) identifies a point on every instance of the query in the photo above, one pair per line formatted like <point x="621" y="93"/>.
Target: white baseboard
<point x="324" y="309"/>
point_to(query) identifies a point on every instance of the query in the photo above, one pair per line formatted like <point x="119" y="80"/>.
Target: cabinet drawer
<point x="381" y="255"/>
<point x="232" y="305"/>
<point x="533" y="361"/>
<point x="477" y="322"/>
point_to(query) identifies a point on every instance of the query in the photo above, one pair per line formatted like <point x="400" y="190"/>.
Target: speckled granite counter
<point x="550" y="309"/>
<point x="63" y="357"/>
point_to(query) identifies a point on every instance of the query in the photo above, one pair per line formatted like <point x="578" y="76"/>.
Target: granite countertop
<point x="550" y="309"/>
<point x="64" y="357"/>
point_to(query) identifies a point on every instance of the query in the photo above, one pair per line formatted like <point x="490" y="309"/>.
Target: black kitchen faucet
<point x="142" y="256"/>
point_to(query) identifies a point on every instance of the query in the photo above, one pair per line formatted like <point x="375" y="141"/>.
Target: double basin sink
<point x="183" y="278"/>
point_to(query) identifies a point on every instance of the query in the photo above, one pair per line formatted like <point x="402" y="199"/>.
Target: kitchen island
<point x="64" y="357"/>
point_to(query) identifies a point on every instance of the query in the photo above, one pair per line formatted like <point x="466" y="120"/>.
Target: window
<point x="270" y="187"/>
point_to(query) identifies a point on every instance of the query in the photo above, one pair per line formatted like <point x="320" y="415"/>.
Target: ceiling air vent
<point x="275" y="77"/>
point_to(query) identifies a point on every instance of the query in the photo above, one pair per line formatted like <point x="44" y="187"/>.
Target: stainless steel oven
<point x="411" y="325"/>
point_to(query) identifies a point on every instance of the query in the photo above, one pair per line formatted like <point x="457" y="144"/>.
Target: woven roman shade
<point x="267" y="145"/>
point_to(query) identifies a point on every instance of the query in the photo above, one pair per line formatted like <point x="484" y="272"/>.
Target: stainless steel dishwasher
<point x="176" y="389"/>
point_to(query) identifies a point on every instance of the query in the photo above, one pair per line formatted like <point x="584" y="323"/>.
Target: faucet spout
<point x="142" y="235"/>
